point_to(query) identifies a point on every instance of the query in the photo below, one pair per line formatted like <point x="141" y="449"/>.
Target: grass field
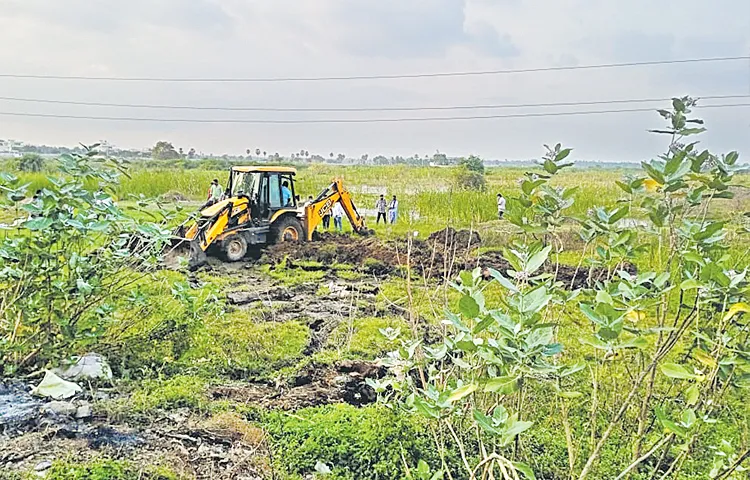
<point x="264" y="364"/>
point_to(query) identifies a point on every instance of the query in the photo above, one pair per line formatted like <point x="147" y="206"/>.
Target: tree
<point x="257" y="152"/>
<point x="440" y="158"/>
<point x="471" y="174"/>
<point x="330" y="154"/>
<point x="182" y="154"/>
<point x="364" y="157"/>
<point x="472" y="163"/>
<point x="191" y="153"/>
<point x="31" y="162"/>
<point x="341" y="157"/>
<point x="164" y="151"/>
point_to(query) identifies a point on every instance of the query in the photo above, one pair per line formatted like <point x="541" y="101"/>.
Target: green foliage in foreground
<point x="355" y="443"/>
<point x="102" y="469"/>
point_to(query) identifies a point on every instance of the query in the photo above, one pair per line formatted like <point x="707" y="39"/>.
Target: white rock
<point x="91" y="366"/>
<point x="83" y="411"/>
<point x="43" y="465"/>
<point x="63" y="409"/>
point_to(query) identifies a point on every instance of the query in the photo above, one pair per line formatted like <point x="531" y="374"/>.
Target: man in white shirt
<point x="392" y="210"/>
<point x="500" y="206"/>
<point x="338" y="215"/>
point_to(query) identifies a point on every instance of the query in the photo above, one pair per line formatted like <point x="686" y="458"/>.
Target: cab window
<point x="274" y="191"/>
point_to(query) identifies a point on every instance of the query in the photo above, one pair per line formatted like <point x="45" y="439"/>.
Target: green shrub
<point x="356" y="443"/>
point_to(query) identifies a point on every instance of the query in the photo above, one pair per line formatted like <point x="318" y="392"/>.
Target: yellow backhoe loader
<point x="260" y="207"/>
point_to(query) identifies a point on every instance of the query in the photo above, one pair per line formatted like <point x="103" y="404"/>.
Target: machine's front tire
<point x="287" y="229"/>
<point x="235" y="248"/>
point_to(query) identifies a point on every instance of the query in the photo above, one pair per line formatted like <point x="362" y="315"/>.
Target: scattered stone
<point x="43" y="465"/>
<point x="55" y="387"/>
<point x="90" y="367"/>
<point x="84" y="411"/>
<point x="243" y="298"/>
<point x="59" y="408"/>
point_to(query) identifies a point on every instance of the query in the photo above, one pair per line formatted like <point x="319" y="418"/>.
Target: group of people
<point x="384" y="207"/>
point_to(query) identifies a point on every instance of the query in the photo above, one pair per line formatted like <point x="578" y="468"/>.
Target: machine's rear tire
<point x="235" y="248"/>
<point x="287" y="229"/>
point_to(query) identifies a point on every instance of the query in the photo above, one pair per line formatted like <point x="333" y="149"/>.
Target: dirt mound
<point x="442" y="255"/>
<point x="450" y="237"/>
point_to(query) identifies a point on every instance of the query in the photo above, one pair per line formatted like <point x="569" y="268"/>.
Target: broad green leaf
<point x="527" y="472"/>
<point x="516" y="427"/>
<point x="619" y="214"/>
<point x="462" y="392"/>
<point x="38" y="223"/>
<point x="485" y="423"/>
<point x="504" y="385"/>
<point x="603" y="297"/>
<point x="468" y="307"/>
<point x="570" y="370"/>
<point x="690" y="284"/>
<point x="672" y="370"/>
<point x="594" y="342"/>
<point x="502" y="280"/>
<point x="535" y="300"/>
<point x="670" y="425"/>
<point x="735" y="309"/>
<point x="537" y="259"/>
<point x="688" y="418"/>
<point x="592" y="315"/>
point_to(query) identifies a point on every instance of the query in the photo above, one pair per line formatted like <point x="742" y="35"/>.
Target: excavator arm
<point x="321" y="206"/>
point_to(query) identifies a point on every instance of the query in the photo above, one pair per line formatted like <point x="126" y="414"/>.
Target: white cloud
<point x="232" y="38"/>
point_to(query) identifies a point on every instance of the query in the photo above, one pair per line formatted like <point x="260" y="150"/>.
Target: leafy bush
<point x="470" y="180"/>
<point x="356" y="443"/>
<point x="67" y="261"/>
<point x="31" y="162"/>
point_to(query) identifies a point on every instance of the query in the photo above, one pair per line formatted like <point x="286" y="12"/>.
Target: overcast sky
<point x="296" y="38"/>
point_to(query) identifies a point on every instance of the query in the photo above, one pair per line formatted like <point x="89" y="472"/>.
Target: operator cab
<point x="269" y="189"/>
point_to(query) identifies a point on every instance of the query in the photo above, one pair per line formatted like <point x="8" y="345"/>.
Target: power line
<point x="363" y="109"/>
<point x="352" y="120"/>
<point x="379" y="77"/>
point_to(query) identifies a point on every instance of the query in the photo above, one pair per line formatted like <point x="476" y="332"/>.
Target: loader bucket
<point x="181" y="250"/>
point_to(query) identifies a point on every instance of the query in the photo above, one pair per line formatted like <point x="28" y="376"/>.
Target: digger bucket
<point x="181" y="248"/>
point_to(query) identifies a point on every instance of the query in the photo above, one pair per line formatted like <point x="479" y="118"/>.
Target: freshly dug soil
<point x="442" y="255"/>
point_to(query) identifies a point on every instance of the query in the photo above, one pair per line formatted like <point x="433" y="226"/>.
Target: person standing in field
<point x="392" y="210"/>
<point x="500" y="206"/>
<point x="338" y="216"/>
<point x="215" y="192"/>
<point x="381" y="206"/>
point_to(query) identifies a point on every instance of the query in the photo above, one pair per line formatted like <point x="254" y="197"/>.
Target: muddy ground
<point x="440" y="256"/>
